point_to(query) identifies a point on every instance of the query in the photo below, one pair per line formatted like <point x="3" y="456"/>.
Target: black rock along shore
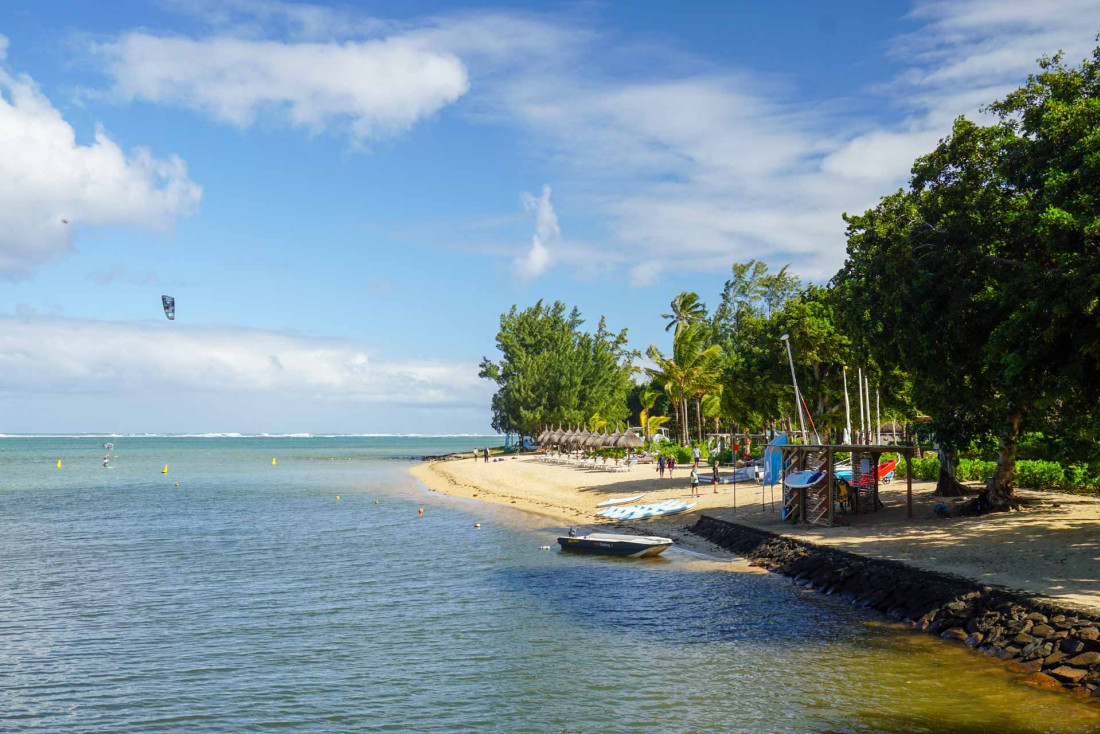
<point x="1058" y="648"/>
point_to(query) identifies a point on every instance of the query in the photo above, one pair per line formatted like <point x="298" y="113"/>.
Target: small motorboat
<point x="610" y="544"/>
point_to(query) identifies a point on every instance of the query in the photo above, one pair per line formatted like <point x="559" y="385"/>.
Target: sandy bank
<point x="1052" y="548"/>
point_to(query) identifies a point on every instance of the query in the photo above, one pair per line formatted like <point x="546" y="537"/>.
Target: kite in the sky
<point x="169" y="307"/>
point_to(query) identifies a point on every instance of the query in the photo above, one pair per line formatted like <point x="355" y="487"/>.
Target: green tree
<point x="693" y="368"/>
<point x="552" y="372"/>
<point x="984" y="273"/>
<point x="686" y="309"/>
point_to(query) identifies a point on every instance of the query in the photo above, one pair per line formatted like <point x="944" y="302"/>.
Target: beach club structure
<point x="815" y="485"/>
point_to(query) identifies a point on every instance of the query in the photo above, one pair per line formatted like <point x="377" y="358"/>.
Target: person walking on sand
<point x="671" y="466"/>
<point x="714" y="479"/>
<point x="661" y="466"/>
<point x="695" y="455"/>
<point x="485" y="453"/>
<point x="694" y="480"/>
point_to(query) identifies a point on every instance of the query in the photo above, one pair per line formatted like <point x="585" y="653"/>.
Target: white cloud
<point x="47" y="355"/>
<point x="47" y="177"/>
<point x="681" y="161"/>
<point x="699" y="170"/>
<point x="537" y="259"/>
<point x="372" y="89"/>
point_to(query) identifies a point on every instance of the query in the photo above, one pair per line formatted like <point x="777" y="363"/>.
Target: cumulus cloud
<point x="371" y="89"/>
<point x="50" y="354"/>
<point x="47" y="177"/>
<point x="536" y="260"/>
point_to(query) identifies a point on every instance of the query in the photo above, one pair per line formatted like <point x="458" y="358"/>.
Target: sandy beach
<point x="1051" y="548"/>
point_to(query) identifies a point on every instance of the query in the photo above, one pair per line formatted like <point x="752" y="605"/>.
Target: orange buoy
<point x="420" y="511"/>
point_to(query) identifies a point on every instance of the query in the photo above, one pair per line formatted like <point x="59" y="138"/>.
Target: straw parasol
<point x="610" y="440"/>
<point x="629" y="440"/>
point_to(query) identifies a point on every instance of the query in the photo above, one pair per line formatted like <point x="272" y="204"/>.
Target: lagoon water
<point x="250" y="598"/>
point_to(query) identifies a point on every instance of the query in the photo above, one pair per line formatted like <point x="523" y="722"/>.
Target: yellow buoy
<point x="164" y="470"/>
<point x="337" y="496"/>
<point x="477" y="525"/>
<point x="273" y="461"/>
<point x="177" y="484"/>
<point x="376" y="502"/>
<point x="59" y="463"/>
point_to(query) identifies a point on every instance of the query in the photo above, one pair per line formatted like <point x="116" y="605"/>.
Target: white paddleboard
<point x="621" y="501"/>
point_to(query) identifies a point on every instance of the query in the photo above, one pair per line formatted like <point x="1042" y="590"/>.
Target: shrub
<point x="682" y="454"/>
<point x="1040" y="475"/>
<point x="975" y="470"/>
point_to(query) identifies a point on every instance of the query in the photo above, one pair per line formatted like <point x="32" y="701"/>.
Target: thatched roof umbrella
<point x="563" y="439"/>
<point x="580" y="438"/>
<point x="555" y="435"/>
<point x="577" y="437"/>
<point x="629" y="440"/>
<point x="541" y="438"/>
<point x="613" y="438"/>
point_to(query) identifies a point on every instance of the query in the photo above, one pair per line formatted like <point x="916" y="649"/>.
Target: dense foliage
<point x="551" y="372"/>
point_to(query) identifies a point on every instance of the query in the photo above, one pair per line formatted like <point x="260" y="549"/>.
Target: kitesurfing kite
<point x="169" y="307"/>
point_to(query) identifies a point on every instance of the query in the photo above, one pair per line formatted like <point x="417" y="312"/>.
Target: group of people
<point x="670" y="464"/>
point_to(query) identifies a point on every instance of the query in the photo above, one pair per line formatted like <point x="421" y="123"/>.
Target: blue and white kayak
<point x="641" y="512"/>
<point x="621" y="500"/>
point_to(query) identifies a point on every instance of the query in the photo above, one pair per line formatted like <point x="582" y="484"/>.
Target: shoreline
<point x="863" y="557"/>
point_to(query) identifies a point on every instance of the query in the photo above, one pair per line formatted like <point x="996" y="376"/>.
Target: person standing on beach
<point x="695" y="455"/>
<point x="486" y="454"/>
<point x="694" y="480"/>
<point x="661" y="466"/>
<point x="714" y="479"/>
<point x="671" y="465"/>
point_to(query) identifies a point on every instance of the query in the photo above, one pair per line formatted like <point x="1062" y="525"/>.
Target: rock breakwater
<point x="1057" y="648"/>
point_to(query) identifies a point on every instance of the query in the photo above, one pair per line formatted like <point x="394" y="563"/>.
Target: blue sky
<point x="344" y="198"/>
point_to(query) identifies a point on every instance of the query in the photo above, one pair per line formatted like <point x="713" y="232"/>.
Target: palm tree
<point x="648" y="399"/>
<point x="711" y="407"/>
<point x="686" y="309"/>
<point x="694" y="368"/>
<point x="654" y="422"/>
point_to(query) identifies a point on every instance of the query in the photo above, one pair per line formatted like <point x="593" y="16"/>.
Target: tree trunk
<point x="684" y="439"/>
<point x="999" y="491"/>
<point x="676" y="412"/>
<point x="947" y="485"/>
<point x="699" y="416"/>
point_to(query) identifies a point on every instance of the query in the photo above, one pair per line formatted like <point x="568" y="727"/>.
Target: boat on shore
<point x="611" y="544"/>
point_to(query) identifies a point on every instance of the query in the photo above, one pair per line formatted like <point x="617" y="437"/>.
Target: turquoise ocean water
<point x="250" y="598"/>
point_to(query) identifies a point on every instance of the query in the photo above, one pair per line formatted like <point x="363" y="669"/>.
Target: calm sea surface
<point x="250" y="598"/>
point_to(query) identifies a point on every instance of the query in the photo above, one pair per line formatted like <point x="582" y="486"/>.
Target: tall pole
<point x="847" y="410"/>
<point x="859" y="386"/>
<point x="797" y="396"/>
<point x="878" y="419"/>
<point x="867" y="389"/>
<point x="867" y="392"/>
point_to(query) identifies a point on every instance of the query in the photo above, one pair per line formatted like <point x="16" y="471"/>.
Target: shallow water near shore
<point x="250" y="597"/>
